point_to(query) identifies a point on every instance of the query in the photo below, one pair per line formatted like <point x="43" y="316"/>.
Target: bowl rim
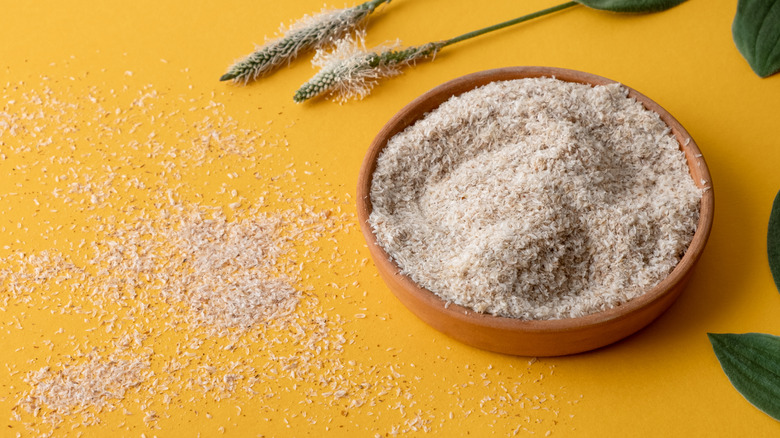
<point x="431" y="99"/>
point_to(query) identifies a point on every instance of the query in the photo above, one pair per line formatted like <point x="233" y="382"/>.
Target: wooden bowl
<point x="532" y="337"/>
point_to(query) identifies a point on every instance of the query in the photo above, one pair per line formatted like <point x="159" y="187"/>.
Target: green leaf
<point x="773" y="241"/>
<point x="751" y="361"/>
<point x="631" y="5"/>
<point x="756" y="32"/>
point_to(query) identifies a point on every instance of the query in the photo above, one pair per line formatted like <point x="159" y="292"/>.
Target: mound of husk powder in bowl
<point x="535" y="199"/>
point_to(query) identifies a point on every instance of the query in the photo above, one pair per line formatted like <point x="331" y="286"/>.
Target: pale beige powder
<point x="535" y="199"/>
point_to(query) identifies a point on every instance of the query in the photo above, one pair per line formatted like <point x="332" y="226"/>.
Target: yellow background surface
<point x="398" y="376"/>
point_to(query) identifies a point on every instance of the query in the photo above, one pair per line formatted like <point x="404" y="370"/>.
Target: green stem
<point x="372" y="4"/>
<point x="485" y="30"/>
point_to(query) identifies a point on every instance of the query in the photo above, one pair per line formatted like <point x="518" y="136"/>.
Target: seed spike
<point x="309" y="32"/>
<point x="351" y="71"/>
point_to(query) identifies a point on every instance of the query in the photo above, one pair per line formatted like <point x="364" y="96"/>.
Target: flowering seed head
<point x="307" y="33"/>
<point x="350" y="71"/>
